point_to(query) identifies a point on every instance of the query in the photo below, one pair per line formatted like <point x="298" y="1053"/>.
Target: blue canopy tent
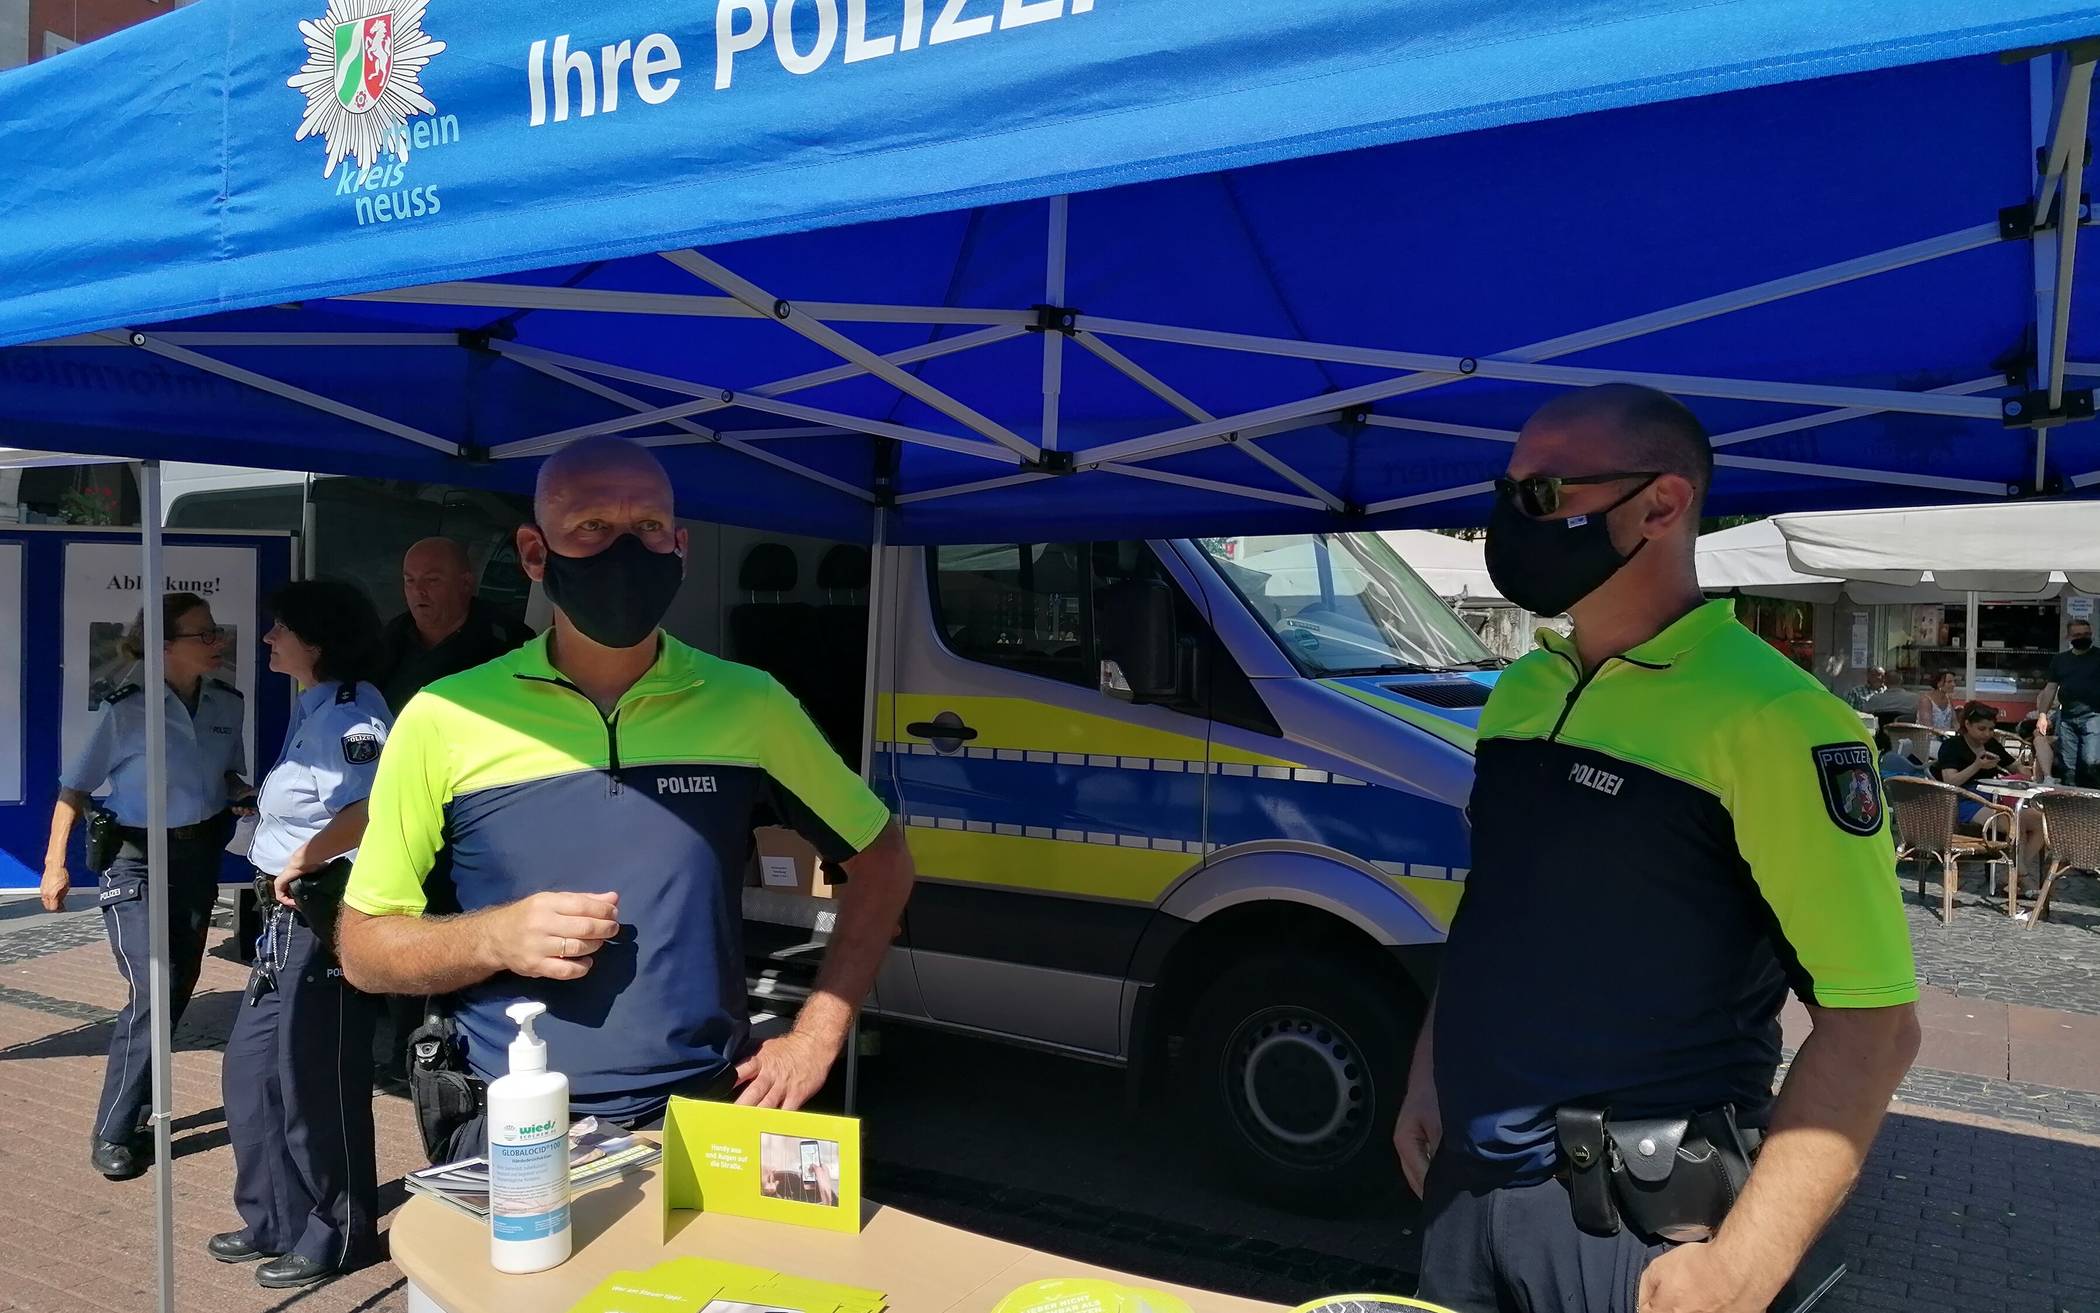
<point x="958" y="270"/>
<point x="1306" y="265"/>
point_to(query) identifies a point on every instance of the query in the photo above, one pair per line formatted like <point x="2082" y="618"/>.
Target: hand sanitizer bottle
<point x="528" y="1115"/>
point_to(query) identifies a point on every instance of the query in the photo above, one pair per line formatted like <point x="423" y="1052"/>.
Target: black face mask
<point x="2081" y="644"/>
<point x="617" y="597"/>
<point x="1547" y="566"/>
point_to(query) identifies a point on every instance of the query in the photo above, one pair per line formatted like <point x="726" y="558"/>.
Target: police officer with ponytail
<point x="205" y="761"/>
<point x="297" y="1076"/>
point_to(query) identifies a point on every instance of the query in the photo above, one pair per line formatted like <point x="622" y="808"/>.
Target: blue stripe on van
<point x="1376" y="824"/>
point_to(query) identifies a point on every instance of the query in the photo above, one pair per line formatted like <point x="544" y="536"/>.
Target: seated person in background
<point x="1971" y="757"/>
<point x="1894" y="761"/>
<point x="1873" y="685"/>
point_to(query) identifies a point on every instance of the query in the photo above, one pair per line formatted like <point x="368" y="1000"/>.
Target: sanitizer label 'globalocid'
<point x="528" y="1181"/>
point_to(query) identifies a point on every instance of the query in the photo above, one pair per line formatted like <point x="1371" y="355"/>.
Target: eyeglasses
<point x="211" y="635"/>
<point x="1540" y="495"/>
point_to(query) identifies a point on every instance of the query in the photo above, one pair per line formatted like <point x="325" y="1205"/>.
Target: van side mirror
<point x="1139" y="648"/>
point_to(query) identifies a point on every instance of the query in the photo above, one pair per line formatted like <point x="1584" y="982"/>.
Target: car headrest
<point x="844" y="566"/>
<point x="768" y="568"/>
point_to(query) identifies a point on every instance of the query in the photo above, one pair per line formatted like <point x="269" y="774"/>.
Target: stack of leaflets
<point x="699" y="1285"/>
<point x="595" y="1156"/>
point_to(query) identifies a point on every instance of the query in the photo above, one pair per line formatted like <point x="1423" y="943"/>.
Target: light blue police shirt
<point x="331" y="753"/>
<point x="201" y="750"/>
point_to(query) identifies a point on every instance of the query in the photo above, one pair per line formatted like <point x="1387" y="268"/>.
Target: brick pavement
<point x="1981" y="954"/>
<point x="1983" y="1192"/>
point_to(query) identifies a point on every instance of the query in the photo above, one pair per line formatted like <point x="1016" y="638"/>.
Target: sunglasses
<point x="211" y="635"/>
<point x="1540" y="495"/>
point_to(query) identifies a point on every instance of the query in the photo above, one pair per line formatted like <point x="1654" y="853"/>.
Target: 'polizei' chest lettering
<point x="684" y="784"/>
<point x="1603" y="781"/>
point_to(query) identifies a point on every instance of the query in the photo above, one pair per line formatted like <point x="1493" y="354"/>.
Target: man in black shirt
<point x="446" y="629"/>
<point x="2070" y="704"/>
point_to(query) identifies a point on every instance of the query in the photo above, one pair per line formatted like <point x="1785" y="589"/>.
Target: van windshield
<point x="1346" y="604"/>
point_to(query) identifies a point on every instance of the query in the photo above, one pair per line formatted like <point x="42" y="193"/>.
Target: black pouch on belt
<point x="102" y="838"/>
<point x="1669" y="1178"/>
<point x="319" y="895"/>
<point x="446" y="1094"/>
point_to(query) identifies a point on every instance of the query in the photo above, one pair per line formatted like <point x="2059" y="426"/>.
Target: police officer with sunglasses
<point x="1673" y="827"/>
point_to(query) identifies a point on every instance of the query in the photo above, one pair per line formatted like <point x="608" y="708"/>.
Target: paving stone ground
<point x="1982" y="954"/>
<point x="1983" y="1192"/>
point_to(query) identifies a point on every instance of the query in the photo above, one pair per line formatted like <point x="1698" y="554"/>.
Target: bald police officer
<point x="591" y="797"/>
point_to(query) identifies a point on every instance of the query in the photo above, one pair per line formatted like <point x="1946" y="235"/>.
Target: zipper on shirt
<point x="612" y="731"/>
<point x="1583" y="681"/>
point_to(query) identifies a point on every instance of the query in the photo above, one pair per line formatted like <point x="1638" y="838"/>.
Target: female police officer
<point x="205" y="759"/>
<point x="297" y="1077"/>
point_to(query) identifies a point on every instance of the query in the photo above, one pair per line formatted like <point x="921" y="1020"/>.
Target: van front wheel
<point x="1296" y="1068"/>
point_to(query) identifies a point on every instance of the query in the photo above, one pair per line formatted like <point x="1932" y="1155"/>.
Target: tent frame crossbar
<point x="824" y="335"/>
<point x="708" y="398"/>
<point x="1158" y="387"/>
<point x="525" y="296"/>
<point x="697" y="432"/>
<point x="313" y="400"/>
<point x="1127" y="458"/>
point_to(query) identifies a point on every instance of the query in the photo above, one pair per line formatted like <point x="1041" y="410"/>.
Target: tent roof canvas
<point x="1316" y="289"/>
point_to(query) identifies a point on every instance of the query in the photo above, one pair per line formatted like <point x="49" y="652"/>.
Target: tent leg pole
<point x="1970" y="644"/>
<point x="870" y="724"/>
<point x="1053" y="339"/>
<point x="158" y="909"/>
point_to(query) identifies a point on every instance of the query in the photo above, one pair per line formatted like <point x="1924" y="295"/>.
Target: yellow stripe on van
<point x="1457" y="735"/>
<point x="1438" y="899"/>
<point x="1047" y="866"/>
<point x="1019" y="723"/>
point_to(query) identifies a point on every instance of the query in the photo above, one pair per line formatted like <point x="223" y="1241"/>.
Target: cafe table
<point x="2013" y="794"/>
<point x="922" y="1266"/>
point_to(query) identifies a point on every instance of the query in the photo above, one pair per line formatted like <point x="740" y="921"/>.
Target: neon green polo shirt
<point x="1661" y="848"/>
<point x="504" y="781"/>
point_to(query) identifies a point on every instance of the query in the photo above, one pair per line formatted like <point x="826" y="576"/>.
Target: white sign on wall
<point x="2077" y="607"/>
<point x="13" y="728"/>
<point x="102" y="599"/>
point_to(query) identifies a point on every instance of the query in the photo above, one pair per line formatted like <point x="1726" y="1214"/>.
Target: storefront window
<point x="2014" y="643"/>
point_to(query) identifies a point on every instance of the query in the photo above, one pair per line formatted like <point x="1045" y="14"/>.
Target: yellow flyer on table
<point x="797" y="1167"/>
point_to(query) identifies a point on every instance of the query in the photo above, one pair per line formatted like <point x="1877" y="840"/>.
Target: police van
<point x="1189" y="807"/>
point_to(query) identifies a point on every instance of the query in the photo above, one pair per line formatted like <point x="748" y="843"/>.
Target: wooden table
<point x="923" y="1266"/>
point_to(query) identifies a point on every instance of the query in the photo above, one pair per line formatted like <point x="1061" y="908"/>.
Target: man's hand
<point x="786" y="1072"/>
<point x="1699" y="1278"/>
<point x="52" y="888"/>
<point x="551" y="935"/>
<point x="1417" y="1134"/>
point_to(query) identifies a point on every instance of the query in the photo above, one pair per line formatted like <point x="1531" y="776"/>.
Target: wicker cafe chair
<point x="2071" y="832"/>
<point x="1925" y="813"/>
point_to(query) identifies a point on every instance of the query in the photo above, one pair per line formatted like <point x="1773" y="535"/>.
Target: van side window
<point x="1023" y="606"/>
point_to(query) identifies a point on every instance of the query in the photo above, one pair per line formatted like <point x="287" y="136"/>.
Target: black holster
<point x="446" y="1093"/>
<point x="319" y="896"/>
<point x="103" y="840"/>
<point x="1666" y="1178"/>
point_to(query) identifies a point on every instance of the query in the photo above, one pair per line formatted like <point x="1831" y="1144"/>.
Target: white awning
<point x="2019" y="547"/>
